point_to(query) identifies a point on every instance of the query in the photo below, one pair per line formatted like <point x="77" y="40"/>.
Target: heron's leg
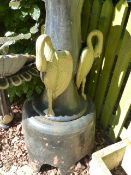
<point x="83" y="88"/>
<point x="50" y="109"/>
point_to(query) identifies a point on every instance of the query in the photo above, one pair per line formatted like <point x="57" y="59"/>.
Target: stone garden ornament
<point x="59" y="124"/>
<point x="51" y="132"/>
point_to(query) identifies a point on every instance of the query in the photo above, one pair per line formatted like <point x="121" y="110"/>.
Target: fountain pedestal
<point x="57" y="143"/>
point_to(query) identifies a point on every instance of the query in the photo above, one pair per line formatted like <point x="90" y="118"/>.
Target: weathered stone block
<point x="110" y="157"/>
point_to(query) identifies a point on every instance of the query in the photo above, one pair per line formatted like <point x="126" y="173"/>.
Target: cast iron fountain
<point x="59" y="125"/>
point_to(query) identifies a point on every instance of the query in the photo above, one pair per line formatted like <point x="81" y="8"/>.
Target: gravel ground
<point x="14" y="159"/>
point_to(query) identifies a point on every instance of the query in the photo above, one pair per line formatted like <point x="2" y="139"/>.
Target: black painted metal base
<point x="6" y="115"/>
<point x="60" y="144"/>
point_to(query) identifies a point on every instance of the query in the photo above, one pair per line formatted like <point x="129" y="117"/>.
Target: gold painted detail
<point x="55" y="68"/>
<point x="87" y="58"/>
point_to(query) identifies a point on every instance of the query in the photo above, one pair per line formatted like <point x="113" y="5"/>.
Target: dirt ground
<point x="14" y="159"/>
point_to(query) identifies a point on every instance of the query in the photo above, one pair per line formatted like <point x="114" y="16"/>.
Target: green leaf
<point x="25" y="89"/>
<point x="34" y="29"/>
<point x="35" y="12"/>
<point x="18" y="93"/>
<point x="9" y="33"/>
<point x="24" y="14"/>
<point x="15" y="5"/>
<point x="38" y="89"/>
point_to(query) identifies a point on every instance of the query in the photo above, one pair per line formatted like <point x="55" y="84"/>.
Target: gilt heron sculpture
<point x="55" y="68"/>
<point x="87" y="58"/>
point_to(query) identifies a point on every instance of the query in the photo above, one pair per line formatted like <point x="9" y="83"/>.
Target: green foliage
<point x="22" y="17"/>
<point x="25" y="16"/>
<point x="27" y="89"/>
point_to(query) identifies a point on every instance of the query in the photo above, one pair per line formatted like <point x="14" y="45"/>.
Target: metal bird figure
<point x="87" y="58"/>
<point x="55" y="68"/>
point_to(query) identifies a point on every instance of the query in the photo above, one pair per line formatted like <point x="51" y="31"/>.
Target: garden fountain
<point x="14" y="69"/>
<point x="59" y="125"/>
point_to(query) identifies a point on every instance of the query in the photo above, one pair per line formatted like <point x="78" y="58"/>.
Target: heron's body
<point x="87" y="58"/>
<point x="55" y="68"/>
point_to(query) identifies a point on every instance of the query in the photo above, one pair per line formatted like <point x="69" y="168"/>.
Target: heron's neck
<point x="98" y="46"/>
<point x="42" y="55"/>
<point x="49" y="51"/>
<point x="41" y="63"/>
<point x="89" y="41"/>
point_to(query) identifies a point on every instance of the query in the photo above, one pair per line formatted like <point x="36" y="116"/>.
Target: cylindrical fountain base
<point x="60" y="144"/>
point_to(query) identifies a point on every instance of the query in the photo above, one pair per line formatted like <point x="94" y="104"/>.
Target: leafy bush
<point x="27" y="89"/>
<point x="23" y="17"/>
